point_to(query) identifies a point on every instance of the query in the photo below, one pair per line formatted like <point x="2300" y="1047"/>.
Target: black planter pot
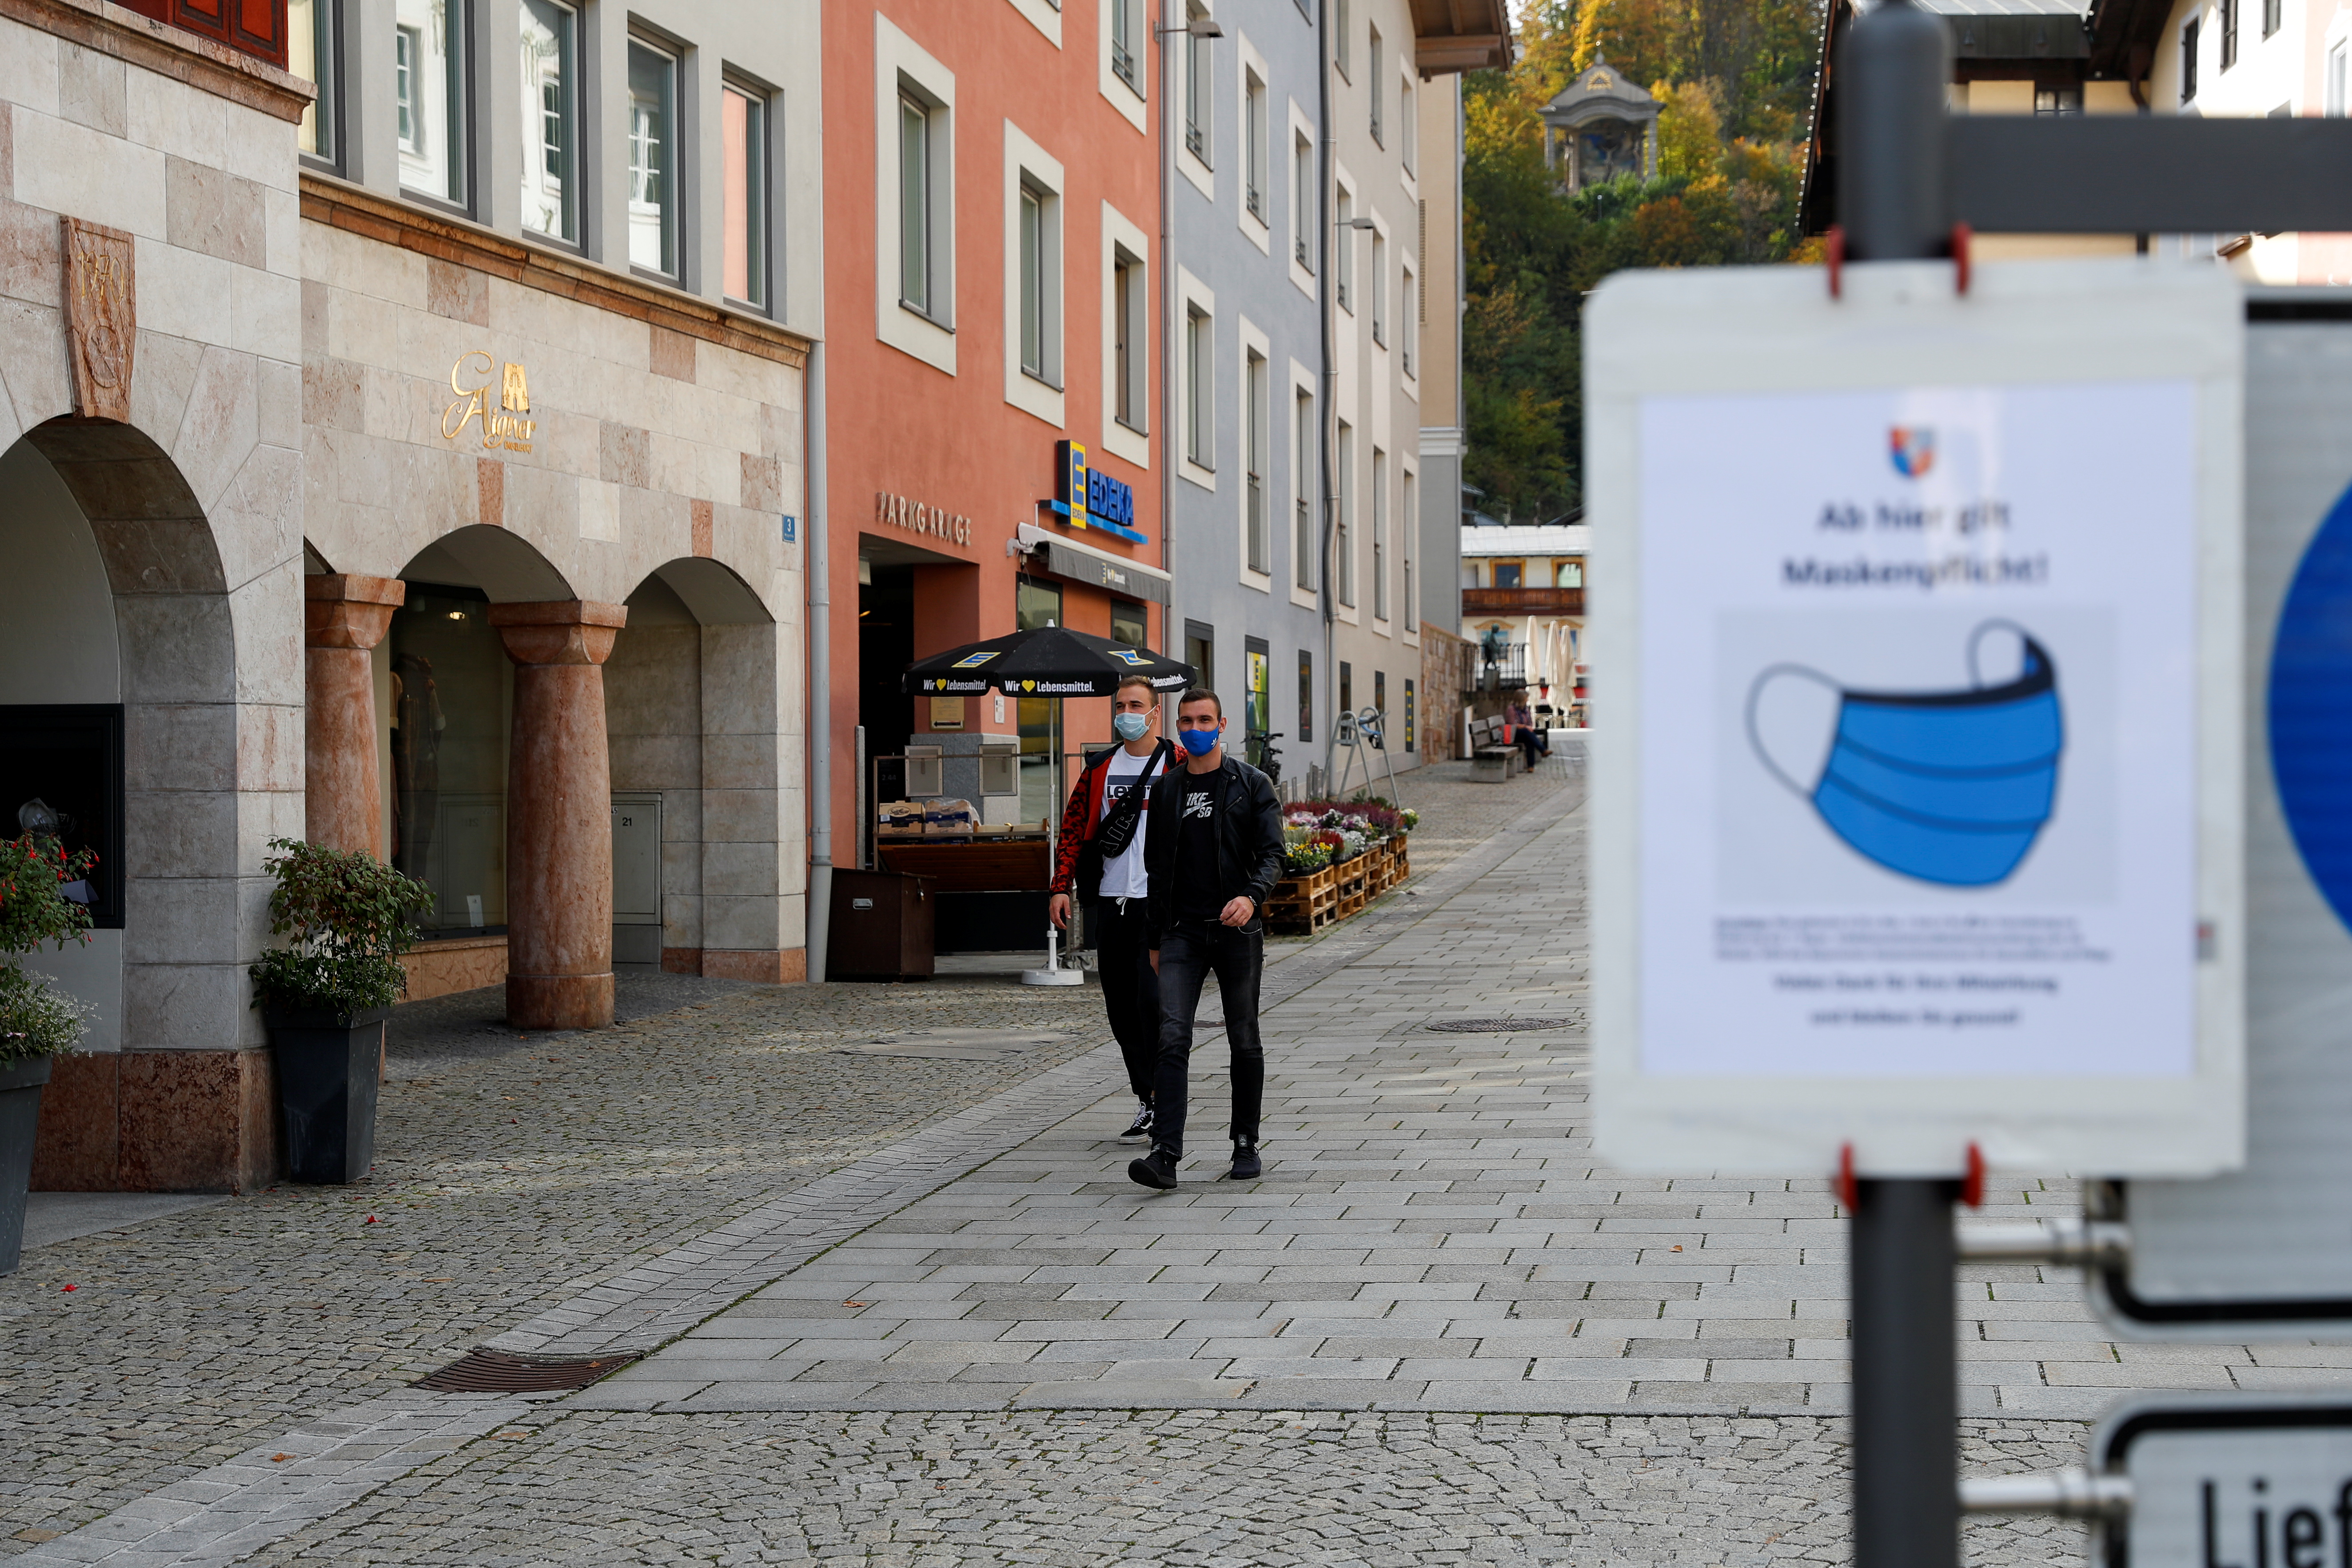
<point x="327" y="1065"/>
<point x="20" y="1113"/>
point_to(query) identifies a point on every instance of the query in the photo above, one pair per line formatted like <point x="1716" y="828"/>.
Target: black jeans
<point x="1188" y="955"/>
<point x="1130" y="990"/>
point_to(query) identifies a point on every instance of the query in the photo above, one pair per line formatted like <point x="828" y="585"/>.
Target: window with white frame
<point x="2339" y="77"/>
<point x="428" y="63"/>
<point x="1408" y="123"/>
<point x="743" y="174"/>
<point x="1253" y="136"/>
<point x="1253" y="444"/>
<point x="1343" y="501"/>
<point x="1200" y="90"/>
<point x="1411" y="513"/>
<point x="1378" y="84"/>
<point x="550" y="118"/>
<point x="1036" y="285"/>
<point x="1200" y="387"/>
<point x="1302" y="200"/>
<point x="1409" y="318"/>
<point x="1380" y="535"/>
<point x="1380" y="287"/>
<point x="917" y="254"/>
<point x="1125" y="39"/>
<point x="310" y="54"/>
<point x="1343" y="250"/>
<point x="1035" y="297"/>
<point x="1302" y="491"/>
<point x="1131" y="298"/>
<point x="653" y="158"/>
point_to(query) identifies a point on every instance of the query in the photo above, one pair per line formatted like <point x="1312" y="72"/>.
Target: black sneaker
<point x="1143" y="1123"/>
<point x="1157" y="1169"/>
<point x="1245" y="1161"/>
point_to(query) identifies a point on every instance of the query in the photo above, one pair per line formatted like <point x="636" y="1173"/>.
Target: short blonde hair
<point x="1142" y="680"/>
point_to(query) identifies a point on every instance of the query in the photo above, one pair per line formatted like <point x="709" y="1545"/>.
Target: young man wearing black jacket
<point x="1212" y="851"/>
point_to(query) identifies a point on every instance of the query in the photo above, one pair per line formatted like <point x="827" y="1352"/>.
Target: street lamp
<point x="1197" y="28"/>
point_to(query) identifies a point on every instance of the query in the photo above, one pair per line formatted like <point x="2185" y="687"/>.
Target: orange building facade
<point x="992" y="252"/>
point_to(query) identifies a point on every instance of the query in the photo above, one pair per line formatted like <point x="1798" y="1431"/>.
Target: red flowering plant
<point x="351" y="917"/>
<point x="36" y="1019"/>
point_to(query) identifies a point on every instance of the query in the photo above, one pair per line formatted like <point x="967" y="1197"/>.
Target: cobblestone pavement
<point x="516" y="1172"/>
<point x="1185" y="1489"/>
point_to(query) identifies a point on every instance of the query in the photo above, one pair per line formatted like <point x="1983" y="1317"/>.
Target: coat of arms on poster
<point x="509" y="425"/>
<point x="101" y="317"/>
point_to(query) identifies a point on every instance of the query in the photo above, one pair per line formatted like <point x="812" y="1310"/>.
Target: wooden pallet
<point x="1351" y="904"/>
<point x="1306" y="924"/>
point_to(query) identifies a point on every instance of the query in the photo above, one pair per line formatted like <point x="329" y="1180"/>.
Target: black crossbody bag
<point x="1119" y="827"/>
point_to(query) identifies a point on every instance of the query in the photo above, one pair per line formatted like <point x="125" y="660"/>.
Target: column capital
<point x="342" y="610"/>
<point x="559" y="631"/>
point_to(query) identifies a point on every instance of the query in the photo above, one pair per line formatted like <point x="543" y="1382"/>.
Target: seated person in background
<point x="1530" y="739"/>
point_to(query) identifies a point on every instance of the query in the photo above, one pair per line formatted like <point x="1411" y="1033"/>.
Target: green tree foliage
<point x="1735" y="79"/>
<point x="350" y="917"/>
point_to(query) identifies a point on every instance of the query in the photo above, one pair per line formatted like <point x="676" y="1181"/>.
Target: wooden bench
<point x="1492" y="760"/>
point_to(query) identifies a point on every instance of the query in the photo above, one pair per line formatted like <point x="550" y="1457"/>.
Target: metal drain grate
<point x="495" y="1371"/>
<point x="1500" y="1025"/>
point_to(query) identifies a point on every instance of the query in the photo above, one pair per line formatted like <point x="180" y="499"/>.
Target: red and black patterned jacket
<point x="1082" y="817"/>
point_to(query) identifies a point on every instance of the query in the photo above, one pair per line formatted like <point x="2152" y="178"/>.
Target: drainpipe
<point x="1330" y="387"/>
<point x="1168" y="332"/>
<point x="819" y="567"/>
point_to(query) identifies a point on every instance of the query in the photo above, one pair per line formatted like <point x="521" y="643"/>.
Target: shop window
<point x="450" y="715"/>
<point x="550" y="118"/>
<point x="1257" y="704"/>
<point x="1201" y="652"/>
<point x="310" y="32"/>
<point x="61" y="775"/>
<point x="653" y="159"/>
<point x="1306" y="694"/>
<point x="1129" y="622"/>
<point x="743" y="130"/>
<point x="428" y="63"/>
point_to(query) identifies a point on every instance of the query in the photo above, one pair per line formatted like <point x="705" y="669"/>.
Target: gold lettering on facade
<point x="915" y="517"/>
<point x="101" y="317"/>
<point x="508" y="426"/>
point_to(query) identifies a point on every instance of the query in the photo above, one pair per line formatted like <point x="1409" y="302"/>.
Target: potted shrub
<point x="324" y="998"/>
<point x="38" y="1021"/>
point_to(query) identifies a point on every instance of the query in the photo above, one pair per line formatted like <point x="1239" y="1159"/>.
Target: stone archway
<point x="697" y="709"/>
<point x="209" y="747"/>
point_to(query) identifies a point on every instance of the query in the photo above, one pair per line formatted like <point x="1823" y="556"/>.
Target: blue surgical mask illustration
<point x="1950" y="787"/>
<point x="1200" y="742"/>
<point x="1130" y="726"/>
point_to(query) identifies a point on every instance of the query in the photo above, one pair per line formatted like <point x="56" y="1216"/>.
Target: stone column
<point x="343" y="617"/>
<point x="559" y="815"/>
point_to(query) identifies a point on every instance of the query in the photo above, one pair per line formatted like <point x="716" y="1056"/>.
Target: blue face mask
<point x="1200" y="742"/>
<point x="1130" y="726"/>
<point x="1950" y="787"/>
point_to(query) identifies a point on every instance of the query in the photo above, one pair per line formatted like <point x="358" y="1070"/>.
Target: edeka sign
<point x="897" y="512"/>
<point x="1919" y="829"/>
<point x="509" y="426"/>
<point x="1087" y="498"/>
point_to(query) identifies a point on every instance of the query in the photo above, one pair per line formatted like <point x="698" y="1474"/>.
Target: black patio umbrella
<point x="1051" y="661"/>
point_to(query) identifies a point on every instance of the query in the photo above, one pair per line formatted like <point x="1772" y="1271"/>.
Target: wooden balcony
<point x="1522" y="602"/>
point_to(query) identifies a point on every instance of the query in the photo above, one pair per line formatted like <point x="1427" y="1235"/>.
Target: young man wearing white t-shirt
<point x="1100" y="859"/>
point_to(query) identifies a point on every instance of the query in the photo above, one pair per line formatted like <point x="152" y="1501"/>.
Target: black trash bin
<point x="328" y="1065"/>
<point x="882" y="927"/>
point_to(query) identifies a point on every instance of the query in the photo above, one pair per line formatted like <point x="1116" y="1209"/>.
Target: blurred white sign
<point x="1919" y="829"/>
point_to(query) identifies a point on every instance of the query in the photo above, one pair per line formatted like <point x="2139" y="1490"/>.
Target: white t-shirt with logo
<point x="1122" y="875"/>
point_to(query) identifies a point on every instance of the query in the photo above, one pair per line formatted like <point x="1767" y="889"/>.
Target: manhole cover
<point x="1500" y="1025"/>
<point x="495" y="1371"/>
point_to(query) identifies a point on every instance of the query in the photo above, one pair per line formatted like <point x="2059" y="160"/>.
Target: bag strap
<point x="1119" y="827"/>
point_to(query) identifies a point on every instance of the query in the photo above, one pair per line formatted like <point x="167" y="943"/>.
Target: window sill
<point x="1028" y="374"/>
<point x="1124" y="423"/>
<point x="922" y="315"/>
<point x="744" y="307"/>
<point x="655" y="275"/>
<point x="436" y="203"/>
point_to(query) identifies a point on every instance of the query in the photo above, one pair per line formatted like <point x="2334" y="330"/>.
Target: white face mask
<point x="1130" y="726"/>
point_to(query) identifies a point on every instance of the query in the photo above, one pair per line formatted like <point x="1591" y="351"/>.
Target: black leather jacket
<point x="1249" y="843"/>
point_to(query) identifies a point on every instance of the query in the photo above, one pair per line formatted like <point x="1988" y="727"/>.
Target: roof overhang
<point x="1461" y="35"/>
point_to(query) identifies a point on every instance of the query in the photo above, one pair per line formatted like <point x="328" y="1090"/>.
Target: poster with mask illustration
<point x="1907" y="844"/>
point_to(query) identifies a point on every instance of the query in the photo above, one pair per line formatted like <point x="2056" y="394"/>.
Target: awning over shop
<point x="1082" y="564"/>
